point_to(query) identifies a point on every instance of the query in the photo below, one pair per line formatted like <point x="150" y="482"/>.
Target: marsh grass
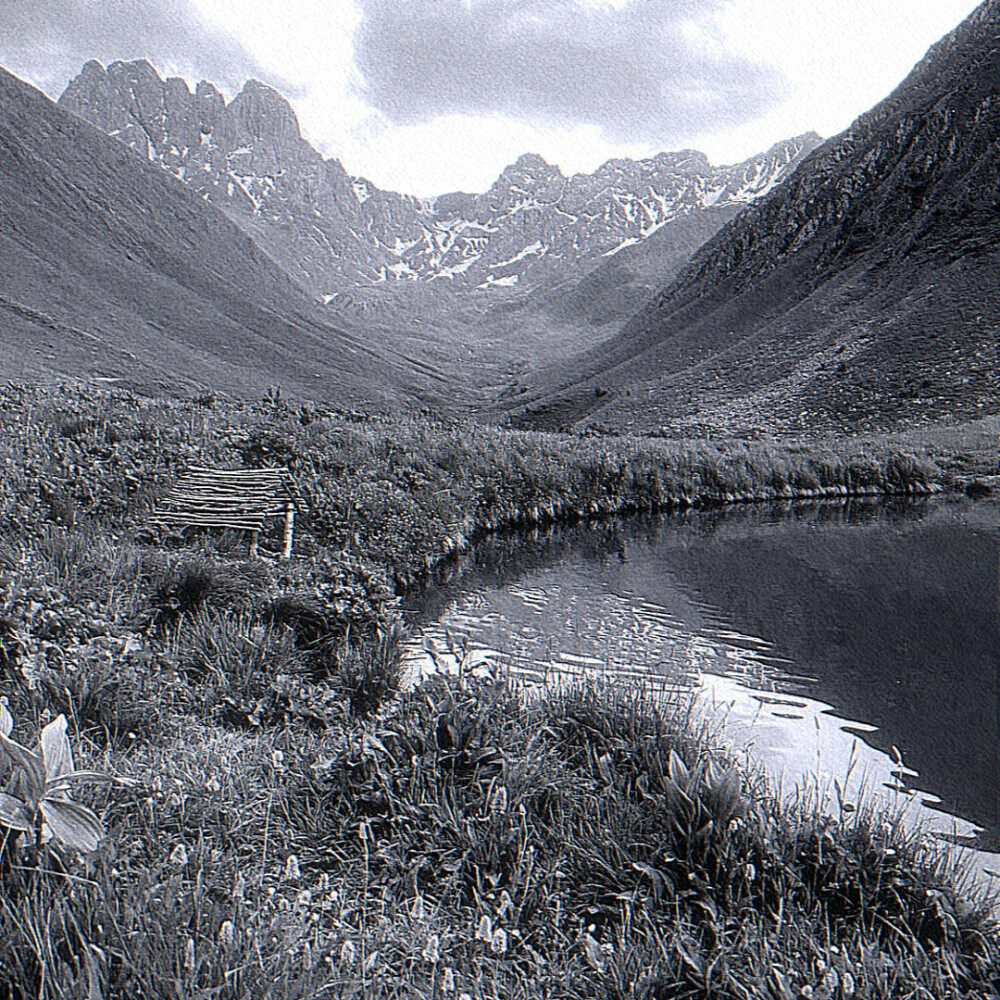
<point x="474" y="837"/>
<point x="298" y="828"/>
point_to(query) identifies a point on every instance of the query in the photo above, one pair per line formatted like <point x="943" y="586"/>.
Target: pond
<point x="851" y="648"/>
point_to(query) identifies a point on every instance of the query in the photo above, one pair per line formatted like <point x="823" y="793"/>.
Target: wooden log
<point x="242" y="523"/>
<point x="253" y="509"/>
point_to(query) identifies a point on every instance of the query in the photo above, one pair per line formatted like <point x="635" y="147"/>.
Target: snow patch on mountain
<point x="330" y="229"/>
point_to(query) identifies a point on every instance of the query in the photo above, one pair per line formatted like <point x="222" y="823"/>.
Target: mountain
<point x="340" y="236"/>
<point x="110" y="269"/>
<point x="861" y="293"/>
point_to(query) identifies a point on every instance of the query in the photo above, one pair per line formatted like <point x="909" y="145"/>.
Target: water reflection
<point x="812" y="627"/>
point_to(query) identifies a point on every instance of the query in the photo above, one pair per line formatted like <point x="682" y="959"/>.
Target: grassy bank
<point x="293" y="830"/>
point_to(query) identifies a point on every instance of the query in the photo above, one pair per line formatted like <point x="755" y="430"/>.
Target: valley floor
<point x="295" y="826"/>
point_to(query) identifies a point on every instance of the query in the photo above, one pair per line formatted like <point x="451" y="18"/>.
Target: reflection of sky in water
<point x="558" y="621"/>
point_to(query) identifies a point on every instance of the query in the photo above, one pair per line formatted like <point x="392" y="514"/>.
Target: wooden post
<point x="289" y="530"/>
<point x="253" y="544"/>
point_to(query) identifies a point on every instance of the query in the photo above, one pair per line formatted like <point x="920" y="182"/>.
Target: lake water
<point x="854" y="642"/>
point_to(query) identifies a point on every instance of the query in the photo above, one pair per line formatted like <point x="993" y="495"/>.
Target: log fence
<point x="242" y="499"/>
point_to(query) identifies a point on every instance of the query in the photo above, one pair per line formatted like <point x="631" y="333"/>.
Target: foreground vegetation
<point x="293" y="827"/>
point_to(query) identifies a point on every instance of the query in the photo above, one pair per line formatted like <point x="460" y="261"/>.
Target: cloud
<point x="639" y="70"/>
<point x="48" y="41"/>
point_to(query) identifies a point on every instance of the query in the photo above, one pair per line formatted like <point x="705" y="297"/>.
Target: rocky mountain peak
<point x="266" y="112"/>
<point x="335" y="232"/>
<point x="531" y="165"/>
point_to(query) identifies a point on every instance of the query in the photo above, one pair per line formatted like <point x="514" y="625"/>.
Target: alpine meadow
<point x="582" y="588"/>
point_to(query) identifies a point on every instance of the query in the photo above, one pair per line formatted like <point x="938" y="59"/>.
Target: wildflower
<point x="498" y="944"/>
<point x="830" y="982"/>
<point x="506" y="905"/>
<point x="592" y="952"/>
<point x="418" y="911"/>
<point x="847" y="984"/>
<point x="448" y="981"/>
<point x="189" y="955"/>
<point x="227" y="932"/>
<point x="239" y="888"/>
<point x="485" y="930"/>
<point x="371" y="962"/>
<point x="348" y="953"/>
<point x="179" y="856"/>
<point x="432" y="952"/>
<point x="307" y="955"/>
<point x="498" y="804"/>
<point x="292" y="869"/>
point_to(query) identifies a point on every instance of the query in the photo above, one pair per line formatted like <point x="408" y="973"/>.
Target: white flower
<point x="432" y="952"/>
<point x="499" y="801"/>
<point x="348" y="953"/>
<point x="179" y="856"/>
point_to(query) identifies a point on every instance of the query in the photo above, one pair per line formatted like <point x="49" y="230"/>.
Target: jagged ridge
<point x="334" y="232"/>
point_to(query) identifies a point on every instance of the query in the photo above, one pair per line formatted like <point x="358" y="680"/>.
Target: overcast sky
<point x="427" y="96"/>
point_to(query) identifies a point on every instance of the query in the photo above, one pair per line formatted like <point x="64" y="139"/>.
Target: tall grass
<point x="298" y="829"/>
<point x="472" y="840"/>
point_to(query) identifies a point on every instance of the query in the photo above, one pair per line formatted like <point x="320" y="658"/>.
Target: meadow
<point x="284" y="821"/>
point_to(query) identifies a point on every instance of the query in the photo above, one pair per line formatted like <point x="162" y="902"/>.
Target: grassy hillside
<point x="293" y="827"/>
<point x="860" y="294"/>
<point x="111" y="269"/>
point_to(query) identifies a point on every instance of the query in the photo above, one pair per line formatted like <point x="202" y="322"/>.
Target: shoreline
<point x="297" y="826"/>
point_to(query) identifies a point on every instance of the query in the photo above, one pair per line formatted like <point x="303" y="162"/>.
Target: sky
<point x="429" y="96"/>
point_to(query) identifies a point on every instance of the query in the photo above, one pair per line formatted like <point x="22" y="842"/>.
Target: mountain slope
<point x="336" y="234"/>
<point x="863" y="292"/>
<point x="111" y="269"/>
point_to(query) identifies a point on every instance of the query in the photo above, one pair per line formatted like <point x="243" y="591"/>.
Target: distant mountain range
<point x="864" y="292"/>
<point x="111" y="270"/>
<point x="336" y="234"/>
<point x="848" y="285"/>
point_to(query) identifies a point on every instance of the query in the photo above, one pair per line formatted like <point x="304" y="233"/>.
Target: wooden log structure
<point x="243" y="499"/>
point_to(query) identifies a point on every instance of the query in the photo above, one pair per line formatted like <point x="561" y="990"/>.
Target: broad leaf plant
<point x="37" y="798"/>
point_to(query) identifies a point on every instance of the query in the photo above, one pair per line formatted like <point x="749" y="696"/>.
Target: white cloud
<point x="467" y="152"/>
<point x="829" y="61"/>
<point x="839" y="59"/>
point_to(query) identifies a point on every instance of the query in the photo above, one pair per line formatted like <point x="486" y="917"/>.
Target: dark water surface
<point x="821" y="633"/>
